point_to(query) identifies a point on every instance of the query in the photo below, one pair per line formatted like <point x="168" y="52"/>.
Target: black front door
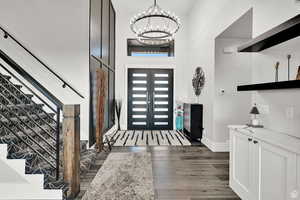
<point x="150" y="99"/>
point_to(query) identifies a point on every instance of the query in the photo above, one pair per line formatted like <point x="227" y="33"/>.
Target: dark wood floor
<point x="191" y="173"/>
<point x="184" y="173"/>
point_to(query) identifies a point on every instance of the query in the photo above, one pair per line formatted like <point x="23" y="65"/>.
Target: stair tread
<point x="5" y="76"/>
<point x="28" y="132"/>
<point x="25" y="117"/>
<point x="25" y="105"/>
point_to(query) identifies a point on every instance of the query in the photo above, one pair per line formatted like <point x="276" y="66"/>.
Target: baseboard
<point x="216" y="146"/>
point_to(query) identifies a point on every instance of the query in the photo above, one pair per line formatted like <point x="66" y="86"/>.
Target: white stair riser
<point x="3" y="151"/>
<point x="24" y="186"/>
<point x="28" y="192"/>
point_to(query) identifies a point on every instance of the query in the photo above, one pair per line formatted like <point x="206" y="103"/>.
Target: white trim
<point x="124" y="123"/>
<point x="216" y="146"/>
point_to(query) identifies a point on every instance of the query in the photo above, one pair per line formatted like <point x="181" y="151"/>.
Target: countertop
<point x="281" y="140"/>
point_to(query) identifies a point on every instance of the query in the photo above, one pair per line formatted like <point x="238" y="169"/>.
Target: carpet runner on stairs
<point x="23" y="121"/>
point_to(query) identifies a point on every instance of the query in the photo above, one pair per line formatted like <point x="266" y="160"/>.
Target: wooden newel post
<point x="71" y="131"/>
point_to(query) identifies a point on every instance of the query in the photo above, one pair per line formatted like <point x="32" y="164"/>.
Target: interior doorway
<point x="150" y="99"/>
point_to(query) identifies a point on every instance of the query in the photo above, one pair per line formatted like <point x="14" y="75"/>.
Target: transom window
<point x="135" y="48"/>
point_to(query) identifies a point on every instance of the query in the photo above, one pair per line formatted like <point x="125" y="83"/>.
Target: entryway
<point x="150" y="99"/>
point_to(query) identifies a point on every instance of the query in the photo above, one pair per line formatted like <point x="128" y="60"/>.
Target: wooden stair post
<point x="71" y="143"/>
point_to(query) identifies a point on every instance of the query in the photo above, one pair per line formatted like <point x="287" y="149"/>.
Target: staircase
<point x="27" y="186"/>
<point x="32" y="134"/>
<point x="31" y="138"/>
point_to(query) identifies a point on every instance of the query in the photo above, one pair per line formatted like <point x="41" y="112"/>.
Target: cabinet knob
<point x="250" y="139"/>
<point x="255" y="142"/>
<point x="294" y="194"/>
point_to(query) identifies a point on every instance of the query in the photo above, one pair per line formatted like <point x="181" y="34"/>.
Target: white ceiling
<point x="180" y="7"/>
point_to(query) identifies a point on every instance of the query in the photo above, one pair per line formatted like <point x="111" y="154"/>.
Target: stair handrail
<point x="28" y="88"/>
<point x="65" y="84"/>
<point x="30" y="79"/>
<point x="59" y="105"/>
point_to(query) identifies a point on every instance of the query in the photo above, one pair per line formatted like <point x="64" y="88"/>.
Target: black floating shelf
<point x="270" y="86"/>
<point x="282" y="33"/>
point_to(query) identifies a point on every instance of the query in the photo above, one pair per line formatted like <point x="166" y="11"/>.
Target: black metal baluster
<point x="57" y="142"/>
<point x="28" y="115"/>
<point x="26" y="143"/>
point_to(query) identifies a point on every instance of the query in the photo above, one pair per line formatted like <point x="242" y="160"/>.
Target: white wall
<point x="275" y="106"/>
<point x="58" y="33"/>
<point x="178" y="63"/>
<point x="207" y="20"/>
<point x="231" y="69"/>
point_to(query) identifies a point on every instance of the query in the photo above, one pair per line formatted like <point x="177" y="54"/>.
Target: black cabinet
<point x="193" y="120"/>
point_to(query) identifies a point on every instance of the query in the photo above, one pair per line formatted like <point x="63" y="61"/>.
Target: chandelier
<point x="155" y="26"/>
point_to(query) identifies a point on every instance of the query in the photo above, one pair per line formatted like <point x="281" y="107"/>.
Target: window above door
<point x="135" y="48"/>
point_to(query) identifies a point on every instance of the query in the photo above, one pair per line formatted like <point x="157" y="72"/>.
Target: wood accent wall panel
<point x="101" y="85"/>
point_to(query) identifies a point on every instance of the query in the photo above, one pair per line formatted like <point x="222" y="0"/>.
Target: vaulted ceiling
<point x="180" y="7"/>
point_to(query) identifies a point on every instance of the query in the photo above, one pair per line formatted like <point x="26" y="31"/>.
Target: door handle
<point x="250" y="139"/>
<point x="148" y="102"/>
<point x="255" y="142"/>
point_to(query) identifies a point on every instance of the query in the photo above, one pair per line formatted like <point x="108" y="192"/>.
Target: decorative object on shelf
<point x="179" y="116"/>
<point x="276" y="71"/>
<point x="255" y="121"/>
<point x="155" y="26"/>
<point x="298" y="75"/>
<point x="198" y="81"/>
<point x="118" y="112"/>
<point x="289" y="56"/>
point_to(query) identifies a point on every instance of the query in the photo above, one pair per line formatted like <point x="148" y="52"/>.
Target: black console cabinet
<point x="193" y="120"/>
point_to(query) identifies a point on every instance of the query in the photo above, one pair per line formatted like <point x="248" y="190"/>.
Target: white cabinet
<point x="260" y="170"/>
<point x="274" y="172"/>
<point x="240" y="164"/>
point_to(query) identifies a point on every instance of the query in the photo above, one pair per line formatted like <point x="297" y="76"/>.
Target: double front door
<point x="150" y="99"/>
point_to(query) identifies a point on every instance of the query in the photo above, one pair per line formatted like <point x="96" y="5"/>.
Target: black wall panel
<point x="111" y="97"/>
<point x="105" y="30"/>
<point x="95" y="28"/>
<point x="112" y="37"/>
<point x="106" y="108"/>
